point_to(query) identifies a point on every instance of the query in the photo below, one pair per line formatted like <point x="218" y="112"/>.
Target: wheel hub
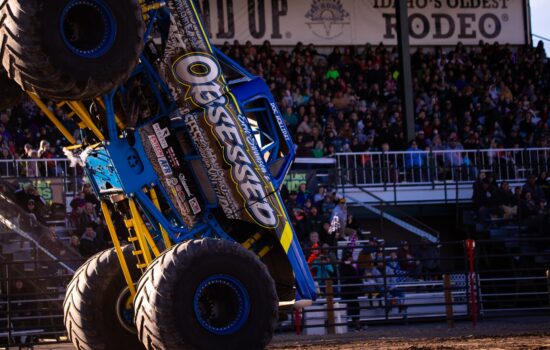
<point x="88" y="27"/>
<point x="125" y="310"/>
<point x="221" y="304"/>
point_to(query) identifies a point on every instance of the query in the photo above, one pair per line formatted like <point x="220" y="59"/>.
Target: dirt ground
<point x="509" y="333"/>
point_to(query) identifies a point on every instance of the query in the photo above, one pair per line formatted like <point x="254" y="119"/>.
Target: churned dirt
<point x="509" y="333"/>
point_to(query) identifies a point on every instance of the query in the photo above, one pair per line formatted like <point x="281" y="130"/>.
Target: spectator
<point x="506" y="201"/>
<point x="339" y="217"/>
<point x="303" y="195"/>
<point x="428" y="255"/>
<point x="319" y="196"/>
<point x="351" y="288"/>
<point x="88" y="242"/>
<point x="322" y="268"/>
<point x="386" y="283"/>
<point x="414" y="160"/>
<point x="484" y="200"/>
<point x="544" y="184"/>
<point x="407" y="260"/>
<point x="532" y="187"/>
<point x="314" y="223"/>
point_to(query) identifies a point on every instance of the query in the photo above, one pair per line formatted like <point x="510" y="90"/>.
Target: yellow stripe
<point x="286" y="237"/>
<point x="200" y="25"/>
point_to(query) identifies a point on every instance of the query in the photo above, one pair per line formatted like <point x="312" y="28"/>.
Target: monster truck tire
<point x="191" y="297"/>
<point x="70" y="49"/>
<point x="92" y="297"/>
<point x="10" y="93"/>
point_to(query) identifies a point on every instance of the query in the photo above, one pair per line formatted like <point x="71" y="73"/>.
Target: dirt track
<point x="520" y="333"/>
<point x="515" y="342"/>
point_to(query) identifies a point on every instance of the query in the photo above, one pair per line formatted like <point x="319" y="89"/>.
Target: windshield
<point x="268" y="135"/>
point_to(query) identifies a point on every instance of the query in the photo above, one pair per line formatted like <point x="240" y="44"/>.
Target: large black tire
<point x="165" y="306"/>
<point x="10" y="93"/>
<point x="69" y="49"/>
<point x="91" y="300"/>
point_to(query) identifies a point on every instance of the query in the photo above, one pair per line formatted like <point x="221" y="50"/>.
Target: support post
<point x="448" y="300"/>
<point x="405" y="71"/>
<point x="470" y="252"/>
<point x="330" y="306"/>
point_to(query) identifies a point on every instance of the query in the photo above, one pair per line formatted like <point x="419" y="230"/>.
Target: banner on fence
<point x="52" y="190"/>
<point x="356" y="22"/>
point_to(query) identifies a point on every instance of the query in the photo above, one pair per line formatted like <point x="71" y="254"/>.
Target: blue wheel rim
<point x="221" y="292"/>
<point x="95" y="19"/>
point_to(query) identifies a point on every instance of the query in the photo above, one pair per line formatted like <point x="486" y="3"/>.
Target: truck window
<point x="268" y="135"/>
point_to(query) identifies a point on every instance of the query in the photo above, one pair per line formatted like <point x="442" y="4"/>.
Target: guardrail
<point x="36" y="168"/>
<point x="436" y="167"/>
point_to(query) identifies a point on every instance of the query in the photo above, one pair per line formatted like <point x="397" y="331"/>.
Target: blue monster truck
<point x="187" y="152"/>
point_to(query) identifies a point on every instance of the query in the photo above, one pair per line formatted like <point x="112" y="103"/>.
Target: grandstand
<point x="472" y="165"/>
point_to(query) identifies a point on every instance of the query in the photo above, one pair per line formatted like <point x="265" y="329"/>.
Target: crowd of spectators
<point x="348" y="100"/>
<point x="336" y="250"/>
<point x="527" y="204"/>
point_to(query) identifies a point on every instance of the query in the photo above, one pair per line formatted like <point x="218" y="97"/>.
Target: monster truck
<point x="188" y="150"/>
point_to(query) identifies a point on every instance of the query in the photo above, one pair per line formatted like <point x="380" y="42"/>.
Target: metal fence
<point x="31" y="298"/>
<point x="54" y="167"/>
<point x="469" y="280"/>
<point x="433" y="167"/>
<point x="463" y="280"/>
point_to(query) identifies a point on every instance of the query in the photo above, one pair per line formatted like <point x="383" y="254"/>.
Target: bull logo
<point x="327" y="18"/>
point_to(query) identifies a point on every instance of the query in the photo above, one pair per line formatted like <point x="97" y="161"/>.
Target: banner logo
<point x="202" y="74"/>
<point x="328" y="18"/>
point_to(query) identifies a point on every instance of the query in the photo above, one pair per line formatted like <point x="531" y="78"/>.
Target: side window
<point x="268" y="135"/>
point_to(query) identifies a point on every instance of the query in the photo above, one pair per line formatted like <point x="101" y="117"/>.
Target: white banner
<point x="344" y="22"/>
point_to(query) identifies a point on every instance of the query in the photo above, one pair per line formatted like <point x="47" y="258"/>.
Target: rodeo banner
<point x="356" y="22"/>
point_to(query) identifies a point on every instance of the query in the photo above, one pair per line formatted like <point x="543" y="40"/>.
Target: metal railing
<point x="506" y="277"/>
<point x="35" y="168"/>
<point x="435" y="167"/>
<point x="490" y="278"/>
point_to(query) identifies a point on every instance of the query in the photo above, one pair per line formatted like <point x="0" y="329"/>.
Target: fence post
<point x="297" y="319"/>
<point x="470" y="251"/>
<point x="448" y="300"/>
<point x="330" y="306"/>
<point x="8" y="306"/>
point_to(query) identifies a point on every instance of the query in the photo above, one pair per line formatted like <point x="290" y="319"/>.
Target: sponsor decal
<point x="327" y="18"/>
<point x="172" y="158"/>
<point x="280" y="121"/>
<point x="183" y="181"/>
<point x="251" y="140"/>
<point x="195" y="207"/>
<point x="165" y="166"/>
<point x="156" y="146"/>
<point x="162" y="134"/>
<point x="215" y="173"/>
<point x="201" y="73"/>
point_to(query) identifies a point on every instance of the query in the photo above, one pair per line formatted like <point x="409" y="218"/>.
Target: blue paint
<point x="236" y="291"/>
